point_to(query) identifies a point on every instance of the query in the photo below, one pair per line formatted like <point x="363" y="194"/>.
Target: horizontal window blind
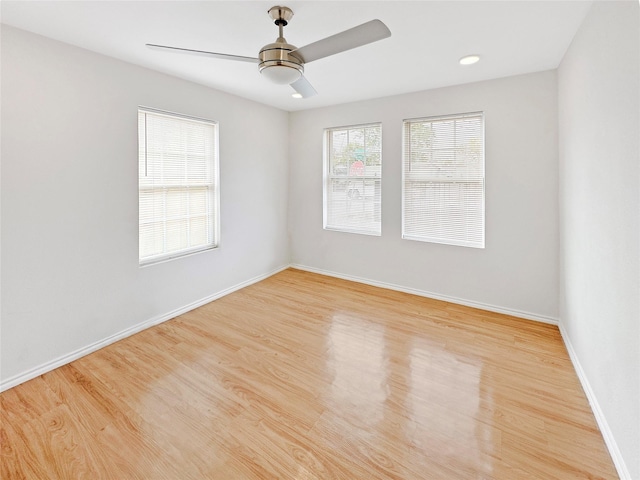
<point x="177" y="180"/>
<point x="443" y="187"/>
<point x="353" y="176"/>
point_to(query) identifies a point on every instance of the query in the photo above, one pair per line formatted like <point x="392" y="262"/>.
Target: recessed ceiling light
<point x="296" y="95"/>
<point x="469" y="60"/>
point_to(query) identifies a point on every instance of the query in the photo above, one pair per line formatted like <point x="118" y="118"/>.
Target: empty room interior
<point x="320" y="239"/>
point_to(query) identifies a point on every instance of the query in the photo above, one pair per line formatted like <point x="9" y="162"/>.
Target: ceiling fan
<point x="282" y="63"/>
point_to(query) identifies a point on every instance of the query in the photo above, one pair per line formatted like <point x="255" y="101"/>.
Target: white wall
<point x="70" y="274"/>
<point x="599" y="214"/>
<point x="517" y="271"/>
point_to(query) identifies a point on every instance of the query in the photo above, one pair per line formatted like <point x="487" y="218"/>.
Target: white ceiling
<point x="428" y="38"/>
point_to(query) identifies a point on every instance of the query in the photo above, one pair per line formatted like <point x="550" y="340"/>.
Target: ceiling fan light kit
<point x="280" y="73"/>
<point x="283" y="63"/>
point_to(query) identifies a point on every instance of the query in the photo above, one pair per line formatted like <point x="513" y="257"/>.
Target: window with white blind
<point x="443" y="180"/>
<point x="178" y="185"/>
<point x="353" y="174"/>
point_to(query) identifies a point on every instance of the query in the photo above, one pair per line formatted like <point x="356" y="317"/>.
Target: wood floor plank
<point x="303" y="376"/>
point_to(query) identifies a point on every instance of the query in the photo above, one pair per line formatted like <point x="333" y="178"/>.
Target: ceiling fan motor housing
<point x="288" y="67"/>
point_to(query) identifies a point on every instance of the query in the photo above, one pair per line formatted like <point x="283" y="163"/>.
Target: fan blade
<point x="303" y="87"/>
<point x="224" y="56"/>
<point x="354" y="37"/>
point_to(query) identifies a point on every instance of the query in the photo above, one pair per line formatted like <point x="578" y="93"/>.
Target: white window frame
<point x="212" y="199"/>
<point x="441" y="182"/>
<point x="330" y="176"/>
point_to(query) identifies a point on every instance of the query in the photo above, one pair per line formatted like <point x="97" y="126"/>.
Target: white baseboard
<point x="435" y="296"/>
<point x="609" y="440"/>
<point x="70" y="357"/>
<point x="600" y="418"/>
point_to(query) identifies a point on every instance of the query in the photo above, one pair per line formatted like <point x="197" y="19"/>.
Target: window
<point x="178" y="185"/>
<point x="443" y="180"/>
<point x="353" y="171"/>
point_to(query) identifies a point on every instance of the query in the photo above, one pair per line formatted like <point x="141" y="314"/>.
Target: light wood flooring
<point x="303" y="376"/>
